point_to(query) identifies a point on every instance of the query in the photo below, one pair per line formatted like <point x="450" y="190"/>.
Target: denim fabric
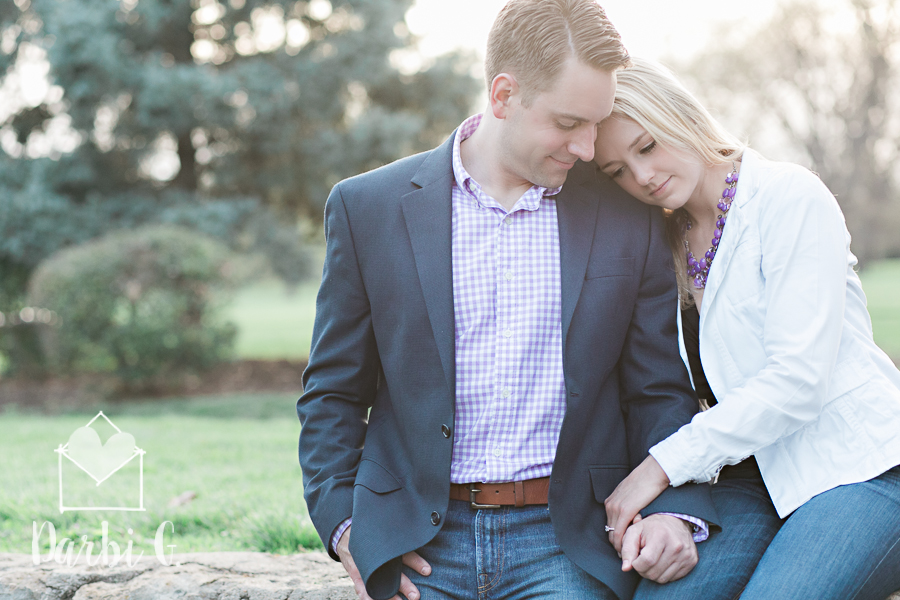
<point x="728" y="557"/>
<point x="843" y="544"/>
<point x="504" y="553"/>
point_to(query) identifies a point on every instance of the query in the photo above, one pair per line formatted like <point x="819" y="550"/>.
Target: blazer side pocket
<point x="605" y="479"/>
<point x="610" y="267"/>
<point x="376" y="478"/>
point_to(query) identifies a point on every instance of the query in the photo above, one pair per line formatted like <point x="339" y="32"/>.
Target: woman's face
<point x="642" y="167"/>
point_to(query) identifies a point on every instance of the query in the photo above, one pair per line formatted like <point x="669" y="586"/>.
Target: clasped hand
<point x="659" y="547"/>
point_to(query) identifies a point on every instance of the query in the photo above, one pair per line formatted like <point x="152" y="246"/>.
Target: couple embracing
<point x="516" y="333"/>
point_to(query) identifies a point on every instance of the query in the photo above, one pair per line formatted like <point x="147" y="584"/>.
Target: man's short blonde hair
<point x="532" y="39"/>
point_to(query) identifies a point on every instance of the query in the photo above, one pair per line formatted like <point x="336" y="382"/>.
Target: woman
<point x="776" y="335"/>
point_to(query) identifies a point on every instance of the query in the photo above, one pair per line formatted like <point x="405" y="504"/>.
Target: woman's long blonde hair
<point x="650" y="95"/>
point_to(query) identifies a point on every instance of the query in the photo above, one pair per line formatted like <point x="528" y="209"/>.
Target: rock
<point x="182" y="499"/>
<point x="206" y="576"/>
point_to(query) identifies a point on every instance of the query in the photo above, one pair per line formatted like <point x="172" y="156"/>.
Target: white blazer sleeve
<point x="804" y="265"/>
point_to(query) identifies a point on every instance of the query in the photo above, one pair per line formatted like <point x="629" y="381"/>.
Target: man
<point x="505" y="328"/>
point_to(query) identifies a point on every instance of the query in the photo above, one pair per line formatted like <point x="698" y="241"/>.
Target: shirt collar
<point x="530" y="200"/>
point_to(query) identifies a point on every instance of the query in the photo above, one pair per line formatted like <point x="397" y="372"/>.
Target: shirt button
<point x="509" y="276"/>
<point x="505" y="393"/>
<point x="446" y="431"/>
<point x="497" y="452"/>
<point x="507" y="333"/>
<point x="435" y="518"/>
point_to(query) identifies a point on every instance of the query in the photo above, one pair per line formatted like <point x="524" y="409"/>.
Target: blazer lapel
<point x="427" y="212"/>
<point x="576" y="209"/>
<point x="731" y="237"/>
<point x="734" y="230"/>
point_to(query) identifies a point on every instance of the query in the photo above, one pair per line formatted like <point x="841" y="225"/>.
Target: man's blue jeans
<point x="844" y="544"/>
<point x="502" y="553"/>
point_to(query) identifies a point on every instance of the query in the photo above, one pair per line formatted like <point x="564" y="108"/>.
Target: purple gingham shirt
<point x="510" y="386"/>
<point x="510" y="389"/>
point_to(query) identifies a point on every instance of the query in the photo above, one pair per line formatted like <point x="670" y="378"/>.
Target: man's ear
<point x="504" y="91"/>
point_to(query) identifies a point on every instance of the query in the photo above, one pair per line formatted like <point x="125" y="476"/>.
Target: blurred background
<point x="164" y="165"/>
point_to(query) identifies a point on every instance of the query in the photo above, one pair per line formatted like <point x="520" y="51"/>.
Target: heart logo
<point x="99" y="460"/>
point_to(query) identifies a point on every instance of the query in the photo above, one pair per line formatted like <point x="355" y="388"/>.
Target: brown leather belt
<point x="495" y="495"/>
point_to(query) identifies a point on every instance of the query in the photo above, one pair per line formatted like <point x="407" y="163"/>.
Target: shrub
<point x="141" y="304"/>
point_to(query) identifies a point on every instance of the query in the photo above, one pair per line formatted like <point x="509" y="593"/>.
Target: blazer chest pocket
<point x="376" y="478"/>
<point x="605" y="479"/>
<point x="610" y="267"/>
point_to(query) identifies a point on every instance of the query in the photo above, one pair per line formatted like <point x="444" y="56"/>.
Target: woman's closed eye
<point x="646" y="149"/>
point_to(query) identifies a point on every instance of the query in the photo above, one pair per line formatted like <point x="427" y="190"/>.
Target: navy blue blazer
<point x="383" y="341"/>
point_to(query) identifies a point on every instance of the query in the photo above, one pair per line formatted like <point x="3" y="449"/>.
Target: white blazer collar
<point x="736" y="225"/>
<point x="749" y="181"/>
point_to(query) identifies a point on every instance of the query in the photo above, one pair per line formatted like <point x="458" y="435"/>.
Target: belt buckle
<point x="475" y="505"/>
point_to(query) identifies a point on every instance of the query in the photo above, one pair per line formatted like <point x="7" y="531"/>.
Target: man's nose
<point x="582" y="145"/>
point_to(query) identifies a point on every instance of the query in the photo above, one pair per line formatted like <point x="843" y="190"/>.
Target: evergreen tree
<point x="232" y="118"/>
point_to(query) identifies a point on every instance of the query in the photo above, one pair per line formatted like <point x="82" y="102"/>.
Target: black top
<point x="690" y="326"/>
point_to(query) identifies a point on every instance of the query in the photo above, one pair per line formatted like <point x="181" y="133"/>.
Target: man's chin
<point x="549" y="179"/>
<point x="553" y="181"/>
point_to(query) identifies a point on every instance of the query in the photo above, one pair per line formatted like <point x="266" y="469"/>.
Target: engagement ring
<point x="607" y="528"/>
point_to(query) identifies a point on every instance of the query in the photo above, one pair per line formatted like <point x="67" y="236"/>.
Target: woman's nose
<point x="642" y="175"/>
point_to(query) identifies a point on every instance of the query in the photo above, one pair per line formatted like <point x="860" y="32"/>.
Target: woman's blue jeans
<point x="502" y="553"/>
<point x="843" y="544"/>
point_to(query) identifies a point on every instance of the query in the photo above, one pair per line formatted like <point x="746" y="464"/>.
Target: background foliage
<point x="820" y="84"/>
<point x="140" y="304"/>
<point x="234" y="117"/>
<point x="231" y="118"/>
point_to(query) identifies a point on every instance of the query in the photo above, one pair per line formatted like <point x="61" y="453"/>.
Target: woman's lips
<point x="662" y="187"/>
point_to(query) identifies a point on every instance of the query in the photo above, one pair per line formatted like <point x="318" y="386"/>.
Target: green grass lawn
<point x="237" y="453"/>
<point x="881" y="282"/>
<point x="274" y="322"/>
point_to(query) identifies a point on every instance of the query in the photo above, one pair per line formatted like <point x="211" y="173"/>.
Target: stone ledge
<point x="205" y="576"/>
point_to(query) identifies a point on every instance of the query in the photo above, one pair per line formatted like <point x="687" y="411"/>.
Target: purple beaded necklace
<point x="699" y="269"/>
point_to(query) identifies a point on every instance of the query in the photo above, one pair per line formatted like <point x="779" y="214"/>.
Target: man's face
<point x="541" y="142"/>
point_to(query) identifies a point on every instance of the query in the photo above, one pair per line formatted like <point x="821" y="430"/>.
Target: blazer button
<point x="446" y="431"/>
<point x="435" y="518"/>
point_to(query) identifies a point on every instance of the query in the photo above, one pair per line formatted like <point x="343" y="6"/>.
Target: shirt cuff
<point x="701" y="527"/>
<point x="345" y="525"/>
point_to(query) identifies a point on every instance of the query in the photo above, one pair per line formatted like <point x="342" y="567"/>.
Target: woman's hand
<point x="634" y="493"/>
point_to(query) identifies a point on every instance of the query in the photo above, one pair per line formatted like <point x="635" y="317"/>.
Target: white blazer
<point x="786" y="344"/>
